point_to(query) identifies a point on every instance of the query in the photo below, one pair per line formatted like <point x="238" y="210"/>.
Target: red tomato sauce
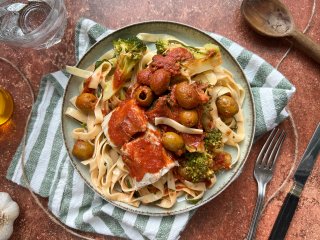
<point x="126" y="121"/>
<point x="167" y="63"/>
<point x="117" y="79"/>
<point x="160" y="109"/>
<point x="180" y="54"/>
<point x="194" y="140"/>
<point x="86" y="88"/>
<point x="150" y="158"/>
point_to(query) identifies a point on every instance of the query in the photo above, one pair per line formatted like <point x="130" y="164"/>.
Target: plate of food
<point x="158" y="118"/>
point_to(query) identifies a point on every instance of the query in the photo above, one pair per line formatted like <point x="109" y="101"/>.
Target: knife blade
<point x="301" y="175"/>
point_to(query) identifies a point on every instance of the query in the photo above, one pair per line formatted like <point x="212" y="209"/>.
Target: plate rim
<point x="167" y="212"/>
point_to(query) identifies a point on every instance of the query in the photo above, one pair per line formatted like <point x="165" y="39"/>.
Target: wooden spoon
<point x="272" y="18"/>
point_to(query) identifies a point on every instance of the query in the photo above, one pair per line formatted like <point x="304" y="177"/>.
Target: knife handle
<point x="285" y="215"/>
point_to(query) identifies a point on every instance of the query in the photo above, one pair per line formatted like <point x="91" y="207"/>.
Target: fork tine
<point x="262" y="152"/>
<point x="271" y="146"/>
<point x="275" y="151"/>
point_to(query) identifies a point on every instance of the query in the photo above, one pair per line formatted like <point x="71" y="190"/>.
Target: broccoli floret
<point x="207" y="51"/>
<point x="132" y="47"/>
<point x="162" y="46"/>
<point x="128" y="52"/>
<point x="213" y="140"/>
<point x="196" y="167"/>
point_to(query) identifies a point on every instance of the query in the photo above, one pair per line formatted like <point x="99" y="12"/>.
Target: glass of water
<point x="32" y="24"/>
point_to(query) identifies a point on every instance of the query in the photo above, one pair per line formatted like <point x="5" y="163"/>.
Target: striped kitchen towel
<point x="70" y="199"/>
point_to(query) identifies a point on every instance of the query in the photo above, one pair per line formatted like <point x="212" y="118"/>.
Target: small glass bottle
<point x="6" y="106"/>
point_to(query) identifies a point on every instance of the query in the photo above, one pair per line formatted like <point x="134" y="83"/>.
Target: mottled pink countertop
<point x="228" y="216"/>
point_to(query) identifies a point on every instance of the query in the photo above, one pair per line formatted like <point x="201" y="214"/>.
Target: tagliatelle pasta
<point x="179" y="127"/>
<point x="153" y="123"/>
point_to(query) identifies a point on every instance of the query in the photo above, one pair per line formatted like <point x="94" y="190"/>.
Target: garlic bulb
<point x="9" y="211"/>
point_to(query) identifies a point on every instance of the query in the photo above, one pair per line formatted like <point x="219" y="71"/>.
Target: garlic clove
<point x="5" y="199"/>
<point x="9" y="211"/>
<point x="6" y="231"/>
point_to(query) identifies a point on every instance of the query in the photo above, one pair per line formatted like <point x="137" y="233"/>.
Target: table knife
<point x="301" y="175"/>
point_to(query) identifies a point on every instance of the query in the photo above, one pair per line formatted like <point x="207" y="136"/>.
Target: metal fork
<point x="263" y="171"/>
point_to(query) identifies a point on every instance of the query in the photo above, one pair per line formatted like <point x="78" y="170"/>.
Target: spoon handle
<point x="305" y="44"/>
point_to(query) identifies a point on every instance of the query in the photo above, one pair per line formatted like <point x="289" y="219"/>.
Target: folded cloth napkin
<point x="51" y="175"/>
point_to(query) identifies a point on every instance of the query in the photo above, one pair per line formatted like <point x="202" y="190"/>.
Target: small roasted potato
<point x="227" y="106"/>
<point x="188" y="118"/>
<point x="186" y="95"/>
<point x="159" y="81"/>
<point x="172" y="142"/>
<point x="82" y="150"/>
<point x="143" y="96"/>
<point x="86" y="102"/>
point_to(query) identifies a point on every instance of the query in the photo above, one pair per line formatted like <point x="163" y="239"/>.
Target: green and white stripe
<point x="51" y="175"/>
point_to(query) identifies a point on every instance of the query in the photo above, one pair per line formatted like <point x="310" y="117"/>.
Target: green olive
<point x="86" y="102"/>
<point x="227" y="106"/>
<point x="144" y="96"/>
<point x="82" y="150"/>
<point x="186" y="95"/>
<point x="172" y="141"/>
<point x="188" y="118"/>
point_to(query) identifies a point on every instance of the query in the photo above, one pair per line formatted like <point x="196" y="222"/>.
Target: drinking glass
<point x="32" y="24"/>
<point x="6" y="105"/>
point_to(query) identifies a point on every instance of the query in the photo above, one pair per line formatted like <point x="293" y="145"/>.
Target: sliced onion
<point x="177" y="126"/>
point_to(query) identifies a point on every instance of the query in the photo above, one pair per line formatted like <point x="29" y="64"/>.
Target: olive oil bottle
<point x="6" y="106"/>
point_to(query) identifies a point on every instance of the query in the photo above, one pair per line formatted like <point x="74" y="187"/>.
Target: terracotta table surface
<point x="228" y="216"/>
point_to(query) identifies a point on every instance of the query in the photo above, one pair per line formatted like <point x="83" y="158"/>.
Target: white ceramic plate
<point x="192" y="37"/>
